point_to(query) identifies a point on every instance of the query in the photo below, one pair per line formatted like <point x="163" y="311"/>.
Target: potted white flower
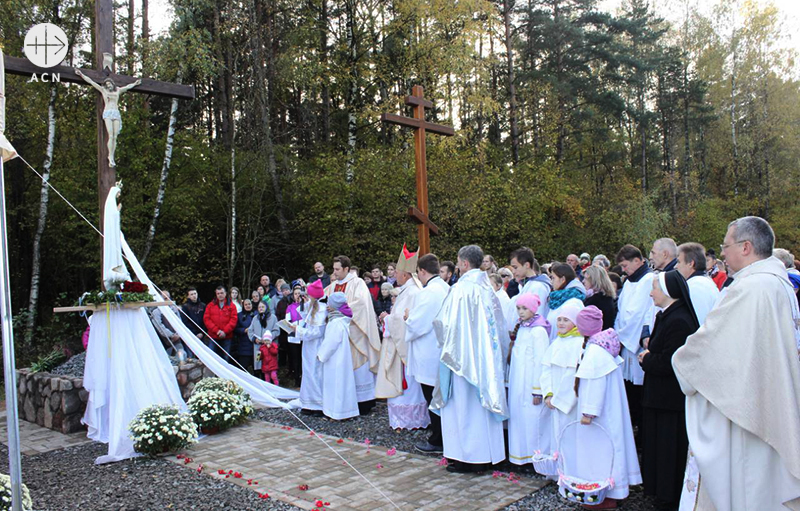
<point x="214" y="411"/>
<point x="5" y="494"/>
<point x="159" y="429"/>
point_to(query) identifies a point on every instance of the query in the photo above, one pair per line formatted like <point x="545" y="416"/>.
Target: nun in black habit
<point x="664" y="440"/>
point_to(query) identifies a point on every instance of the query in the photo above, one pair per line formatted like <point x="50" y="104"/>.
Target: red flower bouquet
<point x="133" y="287"/>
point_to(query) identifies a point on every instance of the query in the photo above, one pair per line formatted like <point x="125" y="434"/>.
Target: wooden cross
<point x="421" y="126"/>
<point x="104" y="43"/>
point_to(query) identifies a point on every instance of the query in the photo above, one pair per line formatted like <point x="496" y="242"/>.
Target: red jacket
<point x="719" y="279"/>
<point x="216" y="319"/>
<point x="269" y="357"/>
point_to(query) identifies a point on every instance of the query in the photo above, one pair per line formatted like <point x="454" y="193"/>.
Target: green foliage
<point x="48" y="362"/>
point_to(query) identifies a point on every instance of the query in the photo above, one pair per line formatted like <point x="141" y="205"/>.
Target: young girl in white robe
<point x="602" y="401"/>
<point x="311" y="331"/>
<point x="338" y="380"/>
<point x="529" y="419"/>
<point x="559" y="364"/>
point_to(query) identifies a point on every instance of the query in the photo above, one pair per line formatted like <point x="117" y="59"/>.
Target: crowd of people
<point x="673" y="355"/>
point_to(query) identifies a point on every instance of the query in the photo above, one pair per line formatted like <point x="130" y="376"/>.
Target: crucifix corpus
<point x="109" y="85"/>
<point x="421" y="127"/>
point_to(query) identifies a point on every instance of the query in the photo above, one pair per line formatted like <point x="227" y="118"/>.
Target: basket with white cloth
<point x="581" y="491"/>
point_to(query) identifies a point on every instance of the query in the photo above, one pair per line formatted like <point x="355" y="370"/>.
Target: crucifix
<point x="104" y="55"/>
<point x="420" y="214"/>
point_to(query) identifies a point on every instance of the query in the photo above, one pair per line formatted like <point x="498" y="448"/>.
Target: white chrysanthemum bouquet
<point x="5" y="494"/>
<point x="214" y="410"/>
<point x="162" y="428"/>
<point x="228" y="387"/>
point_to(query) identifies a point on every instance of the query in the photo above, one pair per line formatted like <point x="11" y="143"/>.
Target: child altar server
<point x="602" y="401"/>
<point x="559" y="364"/>
<point x="529" y="419"/>
<point x="311" y="331"/>
<point x="338" y="380"/>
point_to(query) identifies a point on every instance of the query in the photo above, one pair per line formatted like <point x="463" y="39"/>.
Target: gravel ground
<point x="69" y="479"/>
<point x="75" y="365"/>
<point x="375" y="426"/>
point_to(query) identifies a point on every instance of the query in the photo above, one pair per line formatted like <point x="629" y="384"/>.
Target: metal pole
<point x="9" y="366"/>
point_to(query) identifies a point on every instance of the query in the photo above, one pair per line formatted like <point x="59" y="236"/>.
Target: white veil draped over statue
<point x="114" y="270"/>
<point x="261" y="391"/>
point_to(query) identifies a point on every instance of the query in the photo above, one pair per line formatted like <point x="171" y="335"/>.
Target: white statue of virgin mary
<point x="114" y="270"/>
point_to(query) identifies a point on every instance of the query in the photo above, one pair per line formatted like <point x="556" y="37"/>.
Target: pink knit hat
<point x="570" y="312"/>
<point x="530" y="301"/>
<point x="608" y="340"/>
<point x="314" y="289"/>
<point x="589" y="321"/>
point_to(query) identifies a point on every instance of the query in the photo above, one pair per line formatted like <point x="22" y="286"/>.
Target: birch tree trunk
<point x="232" y="256"/>
<point x="162" y="186"/>
<point x="508" y="5"/>
<point x="352" y="90"/>
<point x="44" y="198"/>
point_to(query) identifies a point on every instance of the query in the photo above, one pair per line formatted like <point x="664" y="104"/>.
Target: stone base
<point x="58" y="402"/>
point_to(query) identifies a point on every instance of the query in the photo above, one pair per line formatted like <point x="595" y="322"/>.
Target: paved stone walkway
<point x="35" y="439"/>
<point x="282" y="459"/>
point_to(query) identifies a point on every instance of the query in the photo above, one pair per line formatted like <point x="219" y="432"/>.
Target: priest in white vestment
<point x="741" y="378"/>
<point x="365" y="341"/>
<point x="702" y="290"/>
<point x="470" y="396"/>
<point x="407" y="406"/>
<point x="423" y="348"/>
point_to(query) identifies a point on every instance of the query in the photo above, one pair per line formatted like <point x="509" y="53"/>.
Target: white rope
<point x="47" y="182"/>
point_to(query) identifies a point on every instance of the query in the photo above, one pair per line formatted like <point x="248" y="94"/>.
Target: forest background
<point x="577" y="130"/>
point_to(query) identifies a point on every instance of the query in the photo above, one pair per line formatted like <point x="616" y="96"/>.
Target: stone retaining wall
<point x="59" y="402"/>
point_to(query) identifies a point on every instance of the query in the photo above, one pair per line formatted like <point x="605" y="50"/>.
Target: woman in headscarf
<point x="664" y="440"/>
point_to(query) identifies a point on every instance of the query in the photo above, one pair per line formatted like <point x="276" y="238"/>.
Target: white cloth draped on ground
<point x="528" y="424"/>
<point x="311" y="331"/>
<point x="262" y="392"/>
<point x="127" y="369"/>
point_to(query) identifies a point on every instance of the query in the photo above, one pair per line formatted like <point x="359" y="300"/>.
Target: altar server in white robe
<point x="310" y="331"/>
<point x="635" y="316"/>
<point x="470" y="395"/>
<point x="423" y="349"/>
<point x="702" y="290"/>
<point x="338" y="381"/>
<point x="741" y="378"/>
<point x="602" y="401"/>
<point x="526" y="271"/>
<point x="559" y="364"/>
<point x="365" y="341"/>
<point x="407" y="406"/>
<point x="529" y="428"/>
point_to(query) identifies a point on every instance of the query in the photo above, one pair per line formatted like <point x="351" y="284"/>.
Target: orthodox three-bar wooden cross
<point x="104" y="44"/>
<point x="421" y="126"/>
